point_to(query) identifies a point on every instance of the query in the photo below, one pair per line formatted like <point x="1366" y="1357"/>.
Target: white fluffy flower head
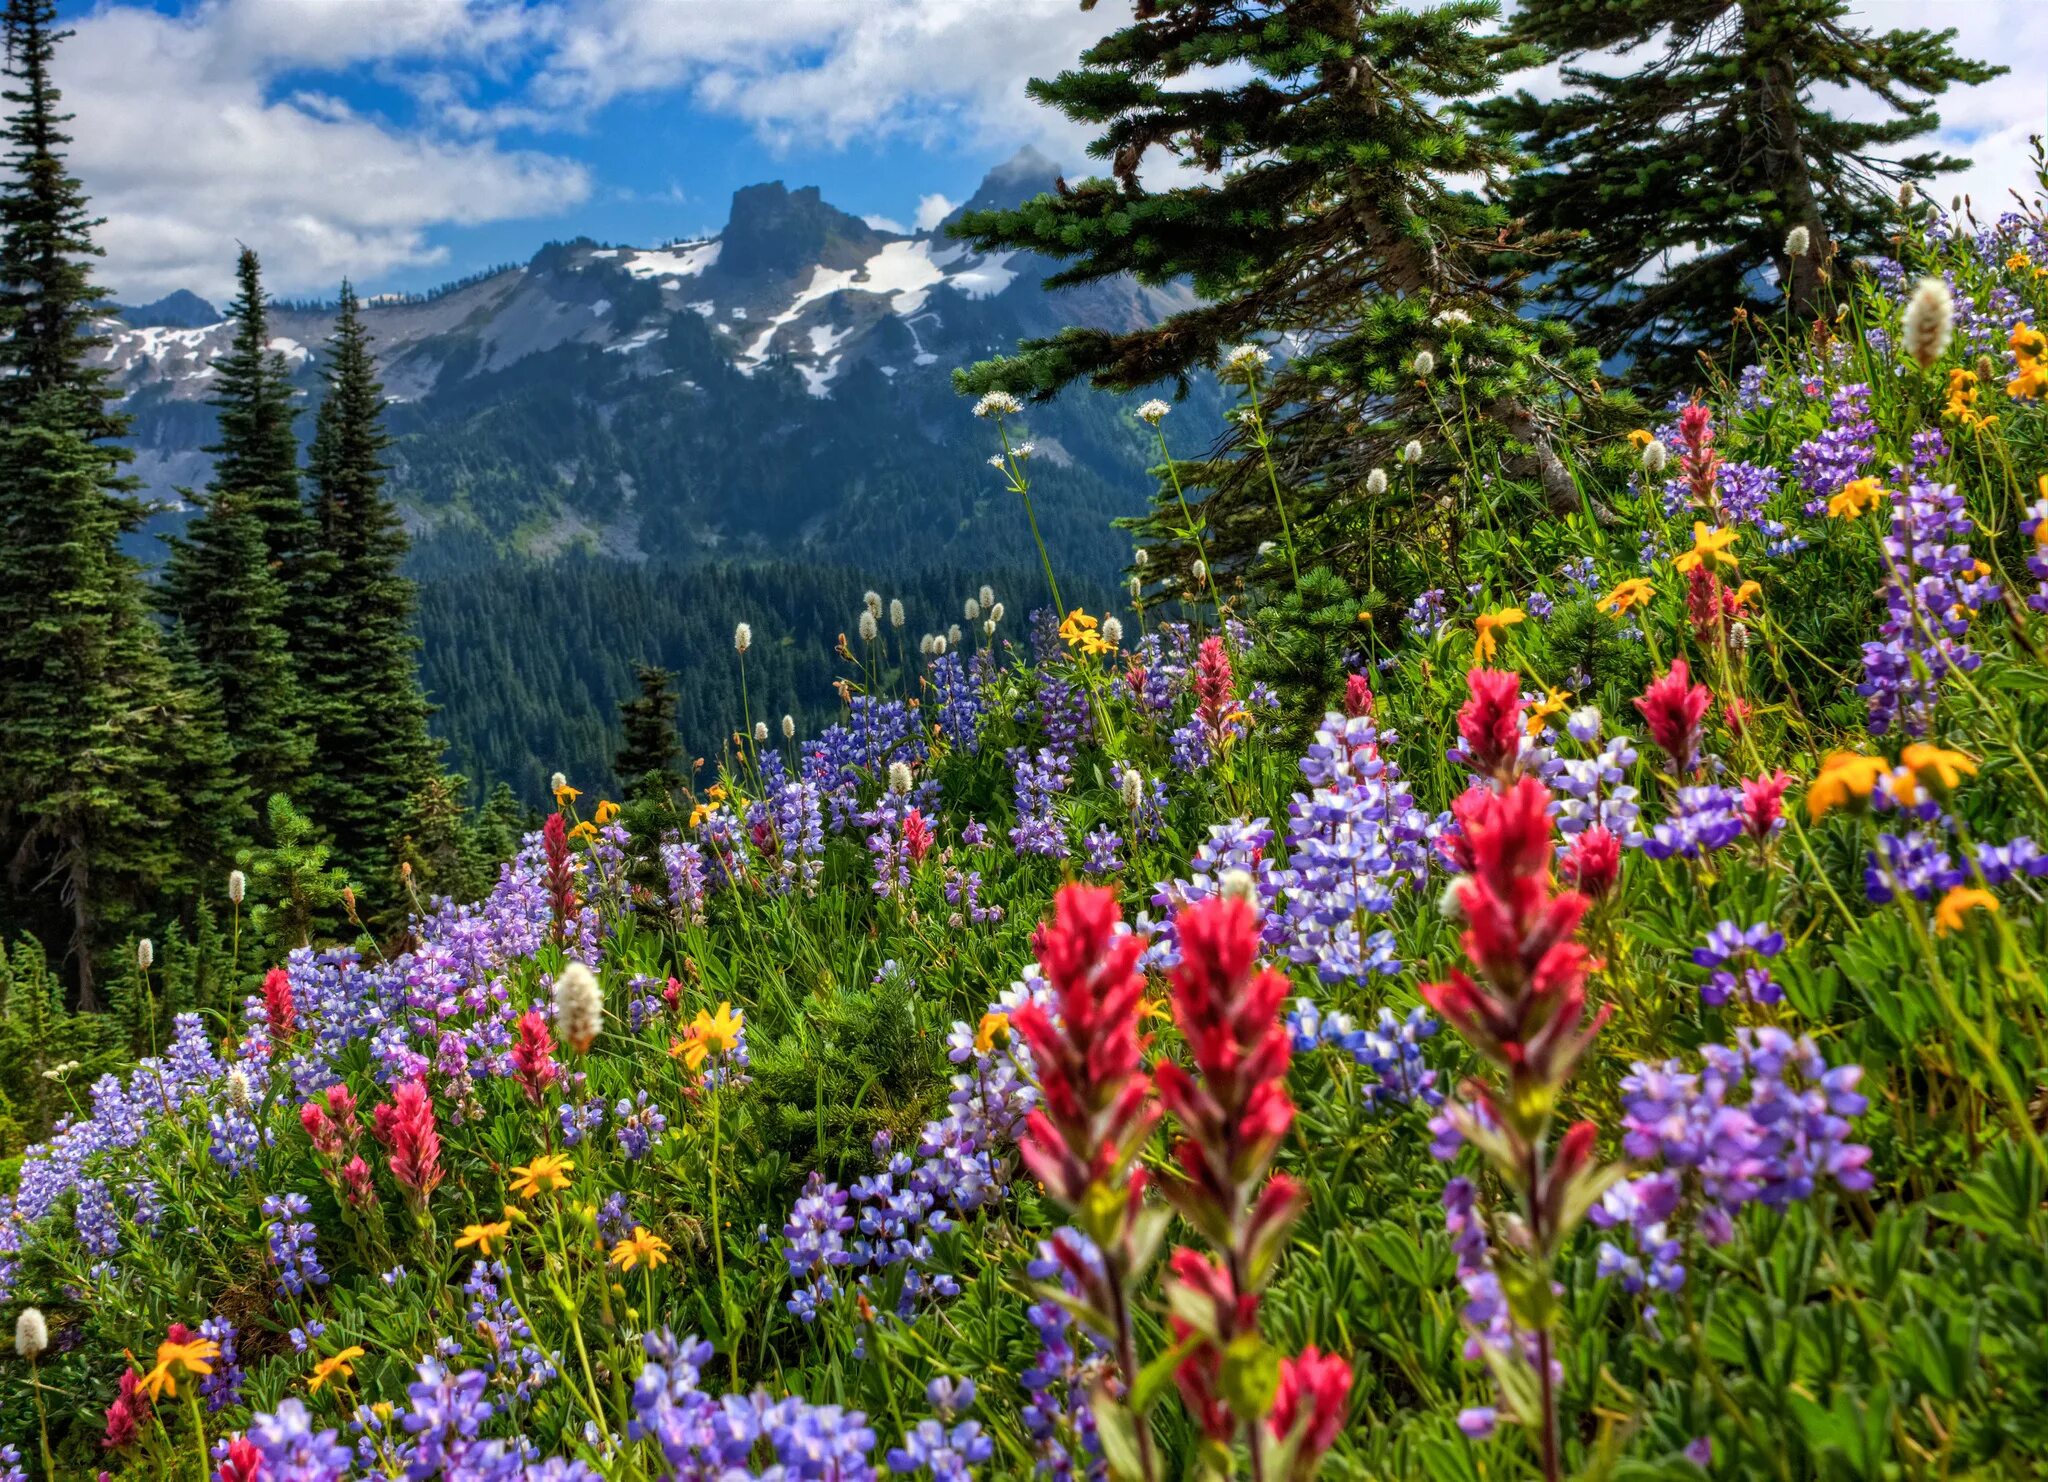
<point x="1153" y="411"/>
<point x="238" y="886"/>
<point x="1376" y="482"/>
<point x="1425" y="364"/>
<point x="870" y="630"/>
<point x="579" y="1007"/>
<point x="31" y="1333"/>
<point x="899" y="778"/>
<point x="998" y="404"/>
<point x="1930" y="322"/>
<point x="1797" y="241"/>
<point x="742" y="638"/>
<point x="896" y="613"/>
<point x="1655" y="456"/>
<point x="1245" y="358"/>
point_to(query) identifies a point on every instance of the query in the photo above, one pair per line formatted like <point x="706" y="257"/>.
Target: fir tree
<point x="1745" y="120"/>
<point x="1320" y="193"/>
<point x="650" y="760"/>
<point x="257" y="457"/>
<point x="220" y="588"/>
<point x="358" y="651"/>
<point x="95" y="732"/>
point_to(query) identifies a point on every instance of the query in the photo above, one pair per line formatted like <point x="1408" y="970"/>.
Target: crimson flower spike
<point x="1490" y="722"/>
<point x="1673" y="708"/>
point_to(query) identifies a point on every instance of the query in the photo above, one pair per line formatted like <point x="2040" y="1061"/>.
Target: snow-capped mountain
<point x="747" y="389"/>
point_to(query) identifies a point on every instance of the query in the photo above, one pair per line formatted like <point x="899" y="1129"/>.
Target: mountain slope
<point x="778" y="390"/>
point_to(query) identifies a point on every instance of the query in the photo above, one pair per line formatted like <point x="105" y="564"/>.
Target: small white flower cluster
<point x="145" y="953"/>
<point x="579" y="1007"/>
<point x="1453" y="318"/>
<point x="998" y="404"/>
<point x="1245" y="358"/>
<point x="1412" y="453"/>
<point x="1655" y="457"/>
<point x="900" y="778"/>
<point x="789" y="728"/>
<point x="59" y="1072"/>
<point x="1376" y="482"/>
<point x="896" y="613"/>
<point x="1153" y="411"/>
<point x="1930" y="322"/>
<point x="1798" y="241"/>
<point x="238" y="886"/>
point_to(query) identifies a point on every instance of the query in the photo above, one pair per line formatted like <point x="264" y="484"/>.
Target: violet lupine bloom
<point x="1352" y="841"/>
<point x="519" y="1367"/>
<point x="1642" y="1207"/>
<point x="1737" y="955"/>
<point x="443" y="1418"/>
<point x="223" y="1387"/>
<point x="2020" y="858"/>
<point x="1104" y="851"/>
<point x="1593" y="790"/>
<point x="960" y="706"/>
<point x="293" y="1451"/>
<point x="963" y="889"/>
<point x="1933" y="588"/>
<point x="638" y="1124"/>
<point x="1063" y="711"/>
<point x="292" y="1249"/>
<point x="579" y="1120"/>
<point x="2035" y="528"/>
<point x="1750" y="394"/>
<point x="1391" y="1051"/>
<point x="1916" y="864"/>
<point x="1427" y="615"/>
<point x="96" y="1220"/>
<point x="950" y="1455"/>
<point x="799" y="816"/>
<point x="683" y="863"/>
<point x="1764" y="1121"/>
<point x="1040" y="780"/>
<point x="1056" y="1413"/>
<point x="1240" y="844"/>
<point x="1841" y="451"/>
<point x="1487" y="1321"/>
<point x="1702" y="819"/>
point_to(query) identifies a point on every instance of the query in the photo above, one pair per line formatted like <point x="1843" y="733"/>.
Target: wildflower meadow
<point x="1601" y="1033"/>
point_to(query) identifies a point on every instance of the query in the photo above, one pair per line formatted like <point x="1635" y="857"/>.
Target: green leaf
<point x="1250" y="1377"/>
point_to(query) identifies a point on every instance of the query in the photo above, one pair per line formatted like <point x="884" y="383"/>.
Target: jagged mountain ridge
<point x="781" y="388"/>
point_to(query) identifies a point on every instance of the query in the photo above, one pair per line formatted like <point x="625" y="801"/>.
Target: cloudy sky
<point x="405" y="142"/>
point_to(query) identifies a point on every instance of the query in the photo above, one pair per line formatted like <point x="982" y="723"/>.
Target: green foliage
<point x="293" y="888"/>
<point x="1679" y="181"/>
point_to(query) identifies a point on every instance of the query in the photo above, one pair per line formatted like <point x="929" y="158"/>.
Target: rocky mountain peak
<point x="775" y="232"/>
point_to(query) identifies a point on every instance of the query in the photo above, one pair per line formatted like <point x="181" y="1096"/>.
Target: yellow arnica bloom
<point x="483" y="1236"/>
<point x="1960" y="901"/>
<point x="1857" y="498"/>
<point x="607" y="810"/>
<point x="584" y="832"/>
<point x="1641" y="438"/>
<point x="1154" y="1008"/>
<point x="1633" y="593"/>
<point x="1936" y="768"/>
<point x="1080" y="631"/>
<point x="1961" y="405"/>
<point x="545" y="1174"/>
<point x="639" y="1249"/>
<point x="1489" y="625"/>
<point x="1709" y="548"/>
<point x="993" y="1028"/>
<point x="718" y="1032"/>
<point x="337" y="1367"/>
<point x="1845" y="777"/>
<point x="565" y="795"/>
<point x="2017" y="261"/>
<point x="1552" y="702"/>
<point x="2030" y="351"/>
<point x="195" y="1357"/>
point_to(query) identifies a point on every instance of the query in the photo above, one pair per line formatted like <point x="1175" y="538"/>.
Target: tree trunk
<point x="1786" y="173"/>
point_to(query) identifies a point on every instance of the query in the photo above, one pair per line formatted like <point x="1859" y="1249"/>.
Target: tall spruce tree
<point x="1321" y="191"/>
<point x="95" y="730"/>
<point x="358" y="652"/>
<point x="1686" y="176"/>
<point x="650" y="759"/>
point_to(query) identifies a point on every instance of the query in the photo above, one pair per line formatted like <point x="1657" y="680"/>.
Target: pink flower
<point x="1673" y="708"/>
<point x="1357" y="695"/>
<point x="278" y="1008"/>
<point x="554" y="843"/>
<point x="917" y="836"/>
<point x="1490" y="722"/>
<point x="405" y="1124"/>
<point x="1215" y="692"/>
<point x="533" y="1055"/>
<point x="1315" y="1387"/>
<point x="1763" y="804"/>
<point x="244" y="1462"/>
<point x="130" y="1412"/>
<point x="1592" y="864"/>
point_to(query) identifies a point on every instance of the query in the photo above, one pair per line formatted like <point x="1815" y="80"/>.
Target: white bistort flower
<point x="789" y="728"/>
<point x="742" y="638"/>
<point x="238" y="886"/>
<point x="899" y="778"/>
<point x="760" y="730"/>
<point x="1425" y="364"/>
<point x="998" y="404"/>
<point x="1797" y="241"/>
<point x="579" y="1007"/>
<point x="1153" y="411"/>
<point x="870" y="630"/>
<point x="1655" y="457"/>
<point x="1245" y="357"/>
<point x="31" y="1333"/>
<point x="1930" y="322"/>
<point x="1376" y="482"/>
<point x="1412" y="452"/>
<point x="896" y="613"/>
<point x="145" y="953"/>
<point x="1112" y="630"/>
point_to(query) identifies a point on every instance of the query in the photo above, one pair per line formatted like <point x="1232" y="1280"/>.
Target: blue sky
<point x="406" y="142"/>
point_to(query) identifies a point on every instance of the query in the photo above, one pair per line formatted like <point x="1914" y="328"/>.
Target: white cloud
<point x="933" y="209"/>
<point x="883" y="223"/>
<point x="186" y="149"/>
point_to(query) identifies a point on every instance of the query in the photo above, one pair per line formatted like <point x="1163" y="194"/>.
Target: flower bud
<point x="1425" y="364"/>
<point x="31" y="1333"/>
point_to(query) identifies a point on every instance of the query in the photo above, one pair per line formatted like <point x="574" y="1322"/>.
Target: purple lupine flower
<point x="1933" y="586"/>
<point x="637" y="1124"/>
<point x="1737" y="954"/>
<point x="1917" y="864"/>
<point x="292" y="1249"/>
<point x="293" y="1451"/>
<point x="2019" y="858"/>
<point x="223" y="1387"/>
<point x="1702" y="819"/>
<point x="1104" y="851"/>
<point x="1041" y="778"/>
<point x="579" y="1120"/>
<point x="1842" y="449"/>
